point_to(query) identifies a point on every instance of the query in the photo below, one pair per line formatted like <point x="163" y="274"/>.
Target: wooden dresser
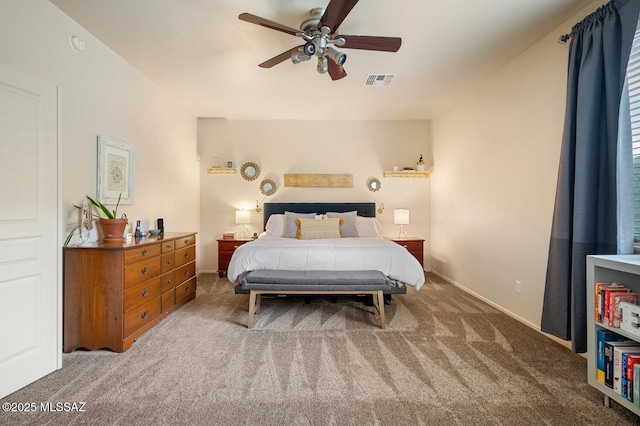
<point x="414" y="245"/>
<point x="226" y="247"/>
<point x="114" y="293"/>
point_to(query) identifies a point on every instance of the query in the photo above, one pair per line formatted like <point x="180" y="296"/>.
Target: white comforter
<point x="346" y="254"/>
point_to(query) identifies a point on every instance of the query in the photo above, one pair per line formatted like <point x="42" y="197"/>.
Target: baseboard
<point x="501" y="309"/>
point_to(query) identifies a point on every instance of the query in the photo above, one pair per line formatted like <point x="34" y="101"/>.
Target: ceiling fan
<point x="320" y="33"/>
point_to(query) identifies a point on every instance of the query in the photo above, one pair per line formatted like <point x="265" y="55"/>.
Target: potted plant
<point x="420" y="164"/>
<point x="112" y="226"/>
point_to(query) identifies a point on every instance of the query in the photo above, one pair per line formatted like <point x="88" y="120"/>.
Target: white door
<point x="30" y="289"/>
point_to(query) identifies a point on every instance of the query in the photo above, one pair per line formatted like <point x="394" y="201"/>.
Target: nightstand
<point x="414" y="245"/>
<point x="226" y="248"/>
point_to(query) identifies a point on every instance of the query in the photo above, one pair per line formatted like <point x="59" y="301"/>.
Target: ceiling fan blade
<point x="280" y="58"/>
<point x="385" y="44"/>
<point x="335" y="13"/>
<point x="336" y="71"/>
<point x="247" y="17"/>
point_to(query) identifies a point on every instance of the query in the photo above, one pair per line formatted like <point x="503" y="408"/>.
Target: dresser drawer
<point x="142" y="271"/>
<point x="185" y="241"/>
<point x="167" y="281"/>
<point x="185" y="272"/>
<point x="141" y="294"/>
<point x="229" y="246"/>
<point x="138" y="253"/>
<point x="141" y="316"/>
<point x="168" y="300"/>
<point x="224" y="257"/>
<point x="186" y="291"/>
<point x="412" y="246"/>
<point x="223" y="265"/>
<point x="185" y="255"/>
<point x="168" y="262"/>
<point x="167" y="246"/>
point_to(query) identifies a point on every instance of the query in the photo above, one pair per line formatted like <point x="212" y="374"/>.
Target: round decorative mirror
<point x="373" y="184"/>
<point x="250" y="171"/>
<point x="267" y="187"/>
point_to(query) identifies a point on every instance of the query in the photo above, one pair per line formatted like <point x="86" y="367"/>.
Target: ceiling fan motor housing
<point x="310" y="24"/>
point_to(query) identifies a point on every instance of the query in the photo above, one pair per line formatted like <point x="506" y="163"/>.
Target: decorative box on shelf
<point x="406" y="173"/>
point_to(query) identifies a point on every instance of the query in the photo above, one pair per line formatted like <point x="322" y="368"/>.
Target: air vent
<point x="379" y="79"/>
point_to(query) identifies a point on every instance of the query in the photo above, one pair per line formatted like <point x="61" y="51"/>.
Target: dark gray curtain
<point x="585" y="214"/>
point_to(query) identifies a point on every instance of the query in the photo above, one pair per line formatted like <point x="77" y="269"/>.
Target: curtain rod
<point x="564" y="38"/>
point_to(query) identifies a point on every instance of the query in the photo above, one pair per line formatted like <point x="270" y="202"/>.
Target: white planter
<point x="419" y="167"/>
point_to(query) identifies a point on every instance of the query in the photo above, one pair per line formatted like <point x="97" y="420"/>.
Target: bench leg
<point x="252" y="308"/>
<point x="258" y="300"/>
<point x="378" y="301"/>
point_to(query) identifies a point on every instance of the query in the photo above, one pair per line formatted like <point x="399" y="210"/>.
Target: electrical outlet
<point x="518" y="287"/>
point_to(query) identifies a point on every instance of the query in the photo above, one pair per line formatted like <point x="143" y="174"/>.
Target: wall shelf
<point x="222" y="170"/>
<point x="406" y="174"/>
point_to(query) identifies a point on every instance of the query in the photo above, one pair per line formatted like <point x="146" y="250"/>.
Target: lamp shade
<point x="401" y="216"/>
<point x="243" y="216"/>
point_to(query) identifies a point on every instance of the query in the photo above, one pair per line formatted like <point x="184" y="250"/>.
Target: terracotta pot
<point x="113" y="230"/>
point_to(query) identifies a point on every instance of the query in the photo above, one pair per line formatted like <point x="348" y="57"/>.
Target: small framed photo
<point x="116" y="162"/>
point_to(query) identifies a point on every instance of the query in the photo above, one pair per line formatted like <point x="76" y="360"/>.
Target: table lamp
<point x="401" y="217"/>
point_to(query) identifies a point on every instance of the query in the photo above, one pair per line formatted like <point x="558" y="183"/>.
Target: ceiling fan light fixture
<point x="323" y="65"/>
<point x="337" y="57"/>
<point x="297" y="57"/>
<point x="309" y="48"/>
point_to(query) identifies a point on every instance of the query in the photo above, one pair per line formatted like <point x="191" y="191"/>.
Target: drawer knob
<point x="144" y="315"/>
<point x="186" y="255"/>
<point x="145" y="270"/>
<point x="145" y="252"/>
<point x="405" y="246"/>
<point x="187" y="289"/>
<point x="186" y="241"/>
<point x="186" y="272"/>
<point x="144" y="292"/>
<point x="169" y="281"/>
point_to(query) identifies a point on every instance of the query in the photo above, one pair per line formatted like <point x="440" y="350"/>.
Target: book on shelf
<point x="597" y="302"/>
<point x="603" y="336"/>
<point x="632" y="360"/>
<point x="617" y="364"/>
<point x="609" y="358"/>
<point x="615" y="316"/>
<point x="607" y="300"/>
<point x="636" y="385"/>
<point x="624" y="377"/>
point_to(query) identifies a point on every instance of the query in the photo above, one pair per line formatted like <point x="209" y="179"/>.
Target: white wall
<point x="362" y="148"/>
<point x="103" y="94"/>
<point x="496" y="161"/>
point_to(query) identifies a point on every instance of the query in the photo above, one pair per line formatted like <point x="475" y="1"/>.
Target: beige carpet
<point x="446" y="358"/>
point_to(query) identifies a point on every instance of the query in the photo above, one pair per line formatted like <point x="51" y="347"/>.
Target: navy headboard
<point x="363" y="209"/>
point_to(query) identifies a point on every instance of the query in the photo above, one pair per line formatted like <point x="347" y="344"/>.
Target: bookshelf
<point x="619" y="268"/>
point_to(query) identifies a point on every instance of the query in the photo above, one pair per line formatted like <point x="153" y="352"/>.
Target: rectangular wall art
<point x="115" y="171"/>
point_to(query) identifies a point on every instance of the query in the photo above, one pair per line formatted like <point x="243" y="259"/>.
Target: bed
<point x="359" y="248"/>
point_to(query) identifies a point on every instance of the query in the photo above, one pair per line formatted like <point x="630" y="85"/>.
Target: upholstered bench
<point x="268" y="281"/>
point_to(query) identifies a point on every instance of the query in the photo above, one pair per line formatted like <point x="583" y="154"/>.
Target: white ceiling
<point x="205" y="57"/>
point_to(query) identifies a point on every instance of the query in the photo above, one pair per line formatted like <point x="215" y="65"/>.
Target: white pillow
<point x="275" y="225"/>
<point x="290" y="225"/>
<point x="368" y="227"/>
<point x="348" y="227"/>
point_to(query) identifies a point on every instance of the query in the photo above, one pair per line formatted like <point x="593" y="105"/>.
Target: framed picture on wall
<point x="115" y="171"/>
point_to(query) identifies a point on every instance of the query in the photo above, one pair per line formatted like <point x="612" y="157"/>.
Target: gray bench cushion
<point x="284" y="280"/>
